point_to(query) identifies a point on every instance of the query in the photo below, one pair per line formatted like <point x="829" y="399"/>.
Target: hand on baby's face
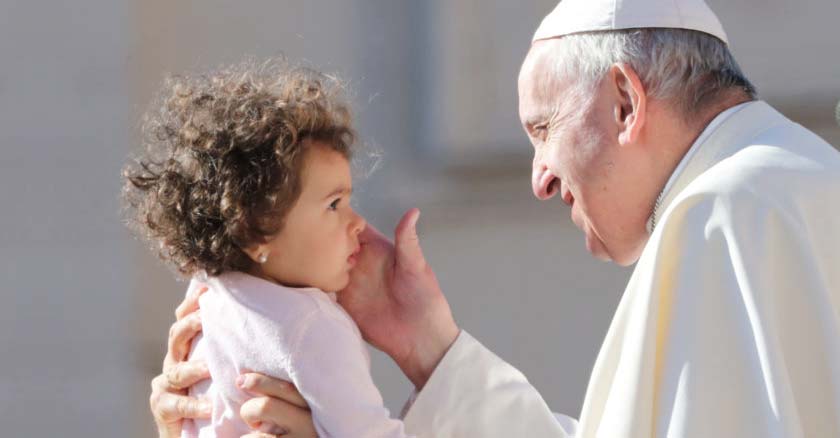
<point x="396" y="301"/>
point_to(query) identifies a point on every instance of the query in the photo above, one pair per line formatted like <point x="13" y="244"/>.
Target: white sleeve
<point x="330" y="368"/>
<point x="473" y="393"/>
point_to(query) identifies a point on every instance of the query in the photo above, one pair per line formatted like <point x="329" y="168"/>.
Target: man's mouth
<point x="566" y="194"/>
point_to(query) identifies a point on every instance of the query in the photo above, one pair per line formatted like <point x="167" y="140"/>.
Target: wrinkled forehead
<point x="535" y="64"/>
<point x="540" y="88"/>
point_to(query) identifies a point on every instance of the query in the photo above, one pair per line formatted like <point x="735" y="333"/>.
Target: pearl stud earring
<point x="263" y="258"/>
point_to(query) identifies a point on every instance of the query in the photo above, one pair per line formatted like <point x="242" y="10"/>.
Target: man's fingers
<point x="371" y="234"/>
<point x="263" y="385"/>
<point x="407" y="243"/>
<point x="278" y="416"/>
<point x="181" y="335"/>
<point x="169" y="407"/>
<point x="273" y="430"/>
<point x="182" y="375"/>
<point x="190" y="303"/>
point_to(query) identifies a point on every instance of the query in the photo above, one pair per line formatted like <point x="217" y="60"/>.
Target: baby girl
<point x="246" y="187"/>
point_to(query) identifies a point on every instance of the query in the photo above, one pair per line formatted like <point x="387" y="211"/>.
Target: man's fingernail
<point x="245" y="381"/>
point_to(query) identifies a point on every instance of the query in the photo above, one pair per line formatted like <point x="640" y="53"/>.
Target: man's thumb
<point x="406" y="241"/>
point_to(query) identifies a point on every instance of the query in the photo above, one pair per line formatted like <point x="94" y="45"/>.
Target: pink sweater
<point x="300" y="335"/>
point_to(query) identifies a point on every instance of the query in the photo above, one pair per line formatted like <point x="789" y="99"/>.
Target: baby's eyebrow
<point x="343" y="190"/>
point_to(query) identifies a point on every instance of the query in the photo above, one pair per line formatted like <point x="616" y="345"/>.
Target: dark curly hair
<point x="224" y="158"/>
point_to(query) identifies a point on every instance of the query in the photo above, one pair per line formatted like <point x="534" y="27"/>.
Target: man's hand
<point x="277" y="409"/>
<point x="396" y="300"/>
<point x="169" y="401"/>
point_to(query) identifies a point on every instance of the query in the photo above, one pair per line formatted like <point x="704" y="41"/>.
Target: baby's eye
<point x="334" y="204"/>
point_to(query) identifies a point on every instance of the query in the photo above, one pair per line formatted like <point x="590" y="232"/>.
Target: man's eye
<point x="334" y="204"/>
<point x="538" y="131"/>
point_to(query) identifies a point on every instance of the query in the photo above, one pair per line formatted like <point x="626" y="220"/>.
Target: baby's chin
<point x="338" y="284"/>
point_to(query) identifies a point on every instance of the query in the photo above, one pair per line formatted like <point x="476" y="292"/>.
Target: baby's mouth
<point x="354" y="255"/>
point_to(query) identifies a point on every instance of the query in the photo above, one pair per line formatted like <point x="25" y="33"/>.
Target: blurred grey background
<point x="85" y="308"/>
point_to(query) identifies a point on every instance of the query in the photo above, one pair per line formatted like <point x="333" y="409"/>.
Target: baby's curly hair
<point x="224" y="157"/>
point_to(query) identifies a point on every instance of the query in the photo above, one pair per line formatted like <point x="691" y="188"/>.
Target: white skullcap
<point x="573" y="16"/>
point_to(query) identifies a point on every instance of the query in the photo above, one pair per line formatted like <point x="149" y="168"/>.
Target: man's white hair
<point x="687" y="67"/>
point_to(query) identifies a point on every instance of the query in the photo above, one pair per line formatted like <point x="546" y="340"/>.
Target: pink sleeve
<point x="330" y="368"/>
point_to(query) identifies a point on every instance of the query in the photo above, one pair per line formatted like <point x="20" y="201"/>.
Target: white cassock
<point x="729" y="326"/>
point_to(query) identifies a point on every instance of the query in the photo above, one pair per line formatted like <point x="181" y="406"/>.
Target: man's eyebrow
<point x="534" y="118"/>
<point x="528" y="121"/>
<point x="534" y="122"/>
<point x="342" y="190"/>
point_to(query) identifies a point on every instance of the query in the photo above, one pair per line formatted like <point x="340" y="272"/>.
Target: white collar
<point x="710" y="128"/>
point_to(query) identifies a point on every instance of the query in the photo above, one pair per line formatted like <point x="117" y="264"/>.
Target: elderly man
<point x="643" y="123"/>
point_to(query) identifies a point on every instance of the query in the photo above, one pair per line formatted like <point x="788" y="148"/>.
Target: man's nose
<point x="544" y="183"/>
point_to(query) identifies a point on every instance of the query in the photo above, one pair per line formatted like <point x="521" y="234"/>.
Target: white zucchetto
<point x="574" y="16"/>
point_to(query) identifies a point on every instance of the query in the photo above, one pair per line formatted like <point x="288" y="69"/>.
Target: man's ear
<point x="631" y="102"/>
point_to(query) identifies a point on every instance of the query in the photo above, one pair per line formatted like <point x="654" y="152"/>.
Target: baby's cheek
<point x="344" y="279"/>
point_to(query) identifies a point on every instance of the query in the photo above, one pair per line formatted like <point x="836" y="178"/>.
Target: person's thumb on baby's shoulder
<point x="409" y="253"/>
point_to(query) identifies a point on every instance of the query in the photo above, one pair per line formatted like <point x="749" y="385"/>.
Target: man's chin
<point x="600" y="252"/>
<point x="627" y="259"/>
<point x="597" y="249"/>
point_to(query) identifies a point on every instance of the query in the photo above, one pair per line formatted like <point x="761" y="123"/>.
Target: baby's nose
<point x="359" y="223"/>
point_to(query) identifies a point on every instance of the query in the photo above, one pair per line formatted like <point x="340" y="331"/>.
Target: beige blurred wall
<point x="86" y="309"/>
<point x="66" y="352"/>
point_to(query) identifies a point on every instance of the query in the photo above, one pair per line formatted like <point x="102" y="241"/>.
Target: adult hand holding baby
<point x="395" y="299"/>
<point x="169" y="401"/>
<point x="277" y="408"/>
<point x="393" y="296"/>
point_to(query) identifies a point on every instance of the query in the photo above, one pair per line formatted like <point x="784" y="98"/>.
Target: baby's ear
<point x="257" y="253"/>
